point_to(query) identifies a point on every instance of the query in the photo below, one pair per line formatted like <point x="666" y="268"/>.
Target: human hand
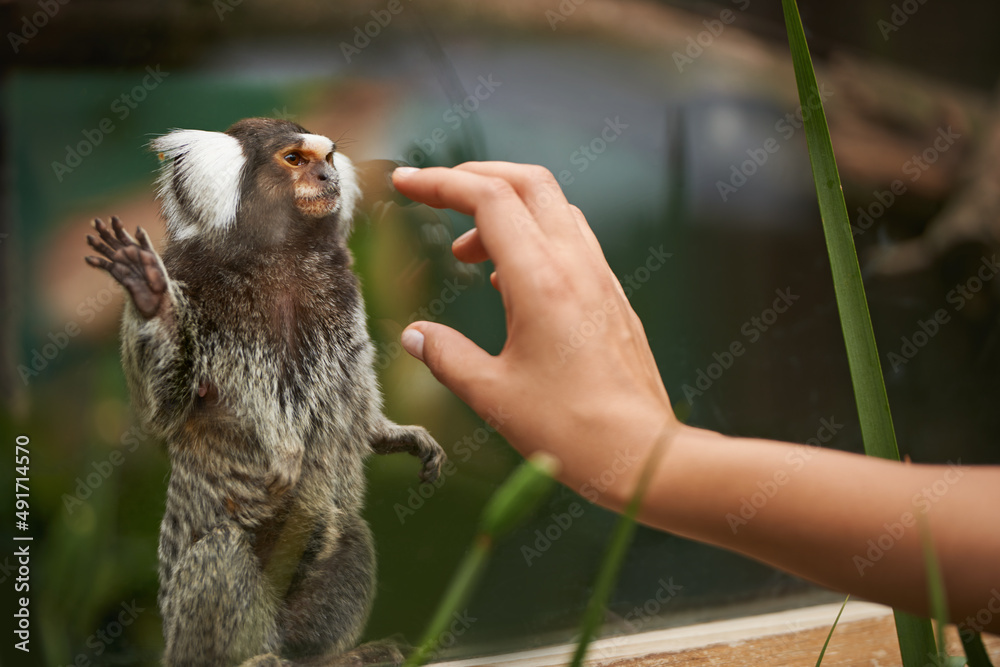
<point x="576" y="377"/>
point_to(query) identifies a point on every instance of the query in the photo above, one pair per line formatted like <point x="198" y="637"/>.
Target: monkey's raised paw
<point x="134" y="264"/>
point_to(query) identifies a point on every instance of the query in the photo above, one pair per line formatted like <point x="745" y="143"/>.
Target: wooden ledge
<point x="865" y="636"/>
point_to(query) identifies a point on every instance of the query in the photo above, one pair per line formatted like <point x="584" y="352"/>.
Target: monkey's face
<point x="310" y="168"/>
<point x="254" y="184"/>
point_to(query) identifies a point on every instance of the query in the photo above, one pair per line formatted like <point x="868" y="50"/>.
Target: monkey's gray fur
<point x="245" y="348"/>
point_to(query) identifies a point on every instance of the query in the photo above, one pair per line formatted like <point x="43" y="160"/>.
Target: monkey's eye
<point x="329" y="158"/>
<point x="295" y="159"/>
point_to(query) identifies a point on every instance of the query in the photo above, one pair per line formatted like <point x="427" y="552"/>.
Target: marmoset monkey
<point x="245" y="348"/>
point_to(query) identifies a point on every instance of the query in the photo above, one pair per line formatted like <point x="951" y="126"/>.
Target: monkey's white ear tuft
<point x="350" y="191"/>
<point x="199" y="180"/>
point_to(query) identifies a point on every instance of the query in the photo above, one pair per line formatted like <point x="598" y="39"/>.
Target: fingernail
<point x="413" y="342"/>
<point x="464" y="237"/>
<point x="404" y="171"/>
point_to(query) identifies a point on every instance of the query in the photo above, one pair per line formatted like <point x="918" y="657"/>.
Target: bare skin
<point x="590" y="403"/>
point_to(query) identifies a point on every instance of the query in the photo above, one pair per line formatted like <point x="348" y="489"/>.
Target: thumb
<point x="455" y="361"/>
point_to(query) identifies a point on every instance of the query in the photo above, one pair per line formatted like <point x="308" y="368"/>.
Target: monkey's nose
<point x="323" y="177"/>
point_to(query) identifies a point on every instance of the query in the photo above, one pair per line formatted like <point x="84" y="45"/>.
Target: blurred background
<point x="674" y="127"/>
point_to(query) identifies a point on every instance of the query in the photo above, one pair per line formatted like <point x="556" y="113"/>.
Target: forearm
<point x="844" y="521"/>
<point x="597" y="403"/>
<point x="159" y="356"/>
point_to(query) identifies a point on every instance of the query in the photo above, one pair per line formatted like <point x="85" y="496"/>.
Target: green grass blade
<point x="935" y="586"/>
<point x="458" y="593"/>
<point x="975" y="652"/>
<point x="519" y="496"/>
<point x="621" y="539"/>
<point x="513" y="502"/>
<point x="819" y="660"/>
<point x="916" y="638"/>
<point x="862" y="355"/>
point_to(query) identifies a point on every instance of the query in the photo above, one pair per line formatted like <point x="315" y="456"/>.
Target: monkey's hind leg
<point x="331" y="593"/>
<point x="391" y="438"/>
<point x="218" y="609"/>
<point x="328" y="603"/>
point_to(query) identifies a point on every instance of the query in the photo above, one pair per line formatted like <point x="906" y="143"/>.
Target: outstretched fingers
<point x="105" y="243"/>
<point x="144" y="241"/>
<point x="106" y="234"/>
<point x="100" y="247"/>
<point x="98" y="263"/>
<point x="509" y="233"/>
<point x="538" y="189"/>
<point x="133" y="263"/>
<point x="123" y="236"/>
<point x="155" y="276"/>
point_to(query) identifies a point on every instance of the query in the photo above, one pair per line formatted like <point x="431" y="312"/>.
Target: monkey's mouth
<point x="321" y="204"/>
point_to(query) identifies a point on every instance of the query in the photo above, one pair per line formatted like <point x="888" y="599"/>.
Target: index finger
<point x="508" y="231"/>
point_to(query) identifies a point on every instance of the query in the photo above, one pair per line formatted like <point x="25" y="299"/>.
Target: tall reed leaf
<point x="511" y="505"/>
<point x="829" y="635"/>
<point x="866" y="372"/>
<point x="976" y="653"/>
<point x="935" y="586"/>
<point x="916" y="637"/>
<point x="939" y="600"/>
<point x="621" y="539"/>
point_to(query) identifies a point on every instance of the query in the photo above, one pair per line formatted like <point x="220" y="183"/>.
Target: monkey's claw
<point x="134" y="264"/>
<point x="414" y="440"/>
<point x="432" y="459"/>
